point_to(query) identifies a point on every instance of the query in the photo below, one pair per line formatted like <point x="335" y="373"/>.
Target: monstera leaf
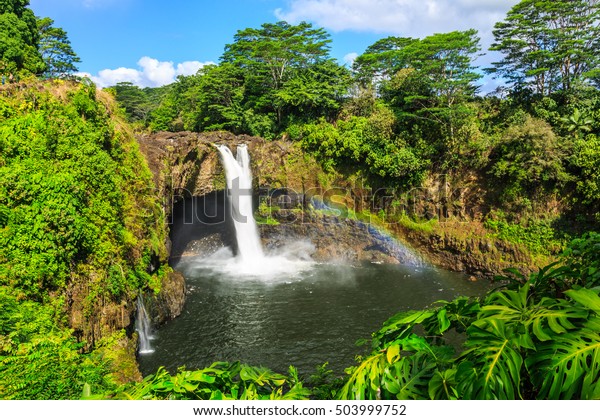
<point x="569" y="366"/>
<point x="539" y="319"/>
<point x="400" y="326"/>
<point x="401" y="370"/>
<point x="491" y="367"/>
<point x="409" y="377"/>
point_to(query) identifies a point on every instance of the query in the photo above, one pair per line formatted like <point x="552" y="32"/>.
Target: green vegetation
<point x="409" y="109"/>
<point x="56" y="50"/>
<point x="220" y="381"/>
<point x="32" y="46"/>
<point x="77" y="214"/>
<point x="39" y="356"/>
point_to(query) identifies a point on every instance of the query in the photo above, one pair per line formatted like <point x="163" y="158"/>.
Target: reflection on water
<point x="303" y="319"/>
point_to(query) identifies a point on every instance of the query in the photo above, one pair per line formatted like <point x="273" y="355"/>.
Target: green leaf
<point x="569" y="366"/>
<point x="409" y="377"/>
<point x="393" y="353"/>
<point x="587" y="298"/>
<point x="442" y="385"/>
<point x="201" y="376"/>
<point x="491" y="367"/>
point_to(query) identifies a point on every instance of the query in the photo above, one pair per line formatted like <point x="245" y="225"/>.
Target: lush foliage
<point x="220" y="381"/>
<point x="29" y="45"/>
<point x="39" y="357"/>
<point x="78" y="216"/>
<point x="548" y="45"/>
<point x="70" y="196"/>
<point x="409" y="108"/>
<point x="18" y="39"/>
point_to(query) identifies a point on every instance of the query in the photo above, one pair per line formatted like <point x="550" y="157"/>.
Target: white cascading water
<point x="250" y="261"/>
<point x="143" y="327"/>
<point x="239" y="194"/>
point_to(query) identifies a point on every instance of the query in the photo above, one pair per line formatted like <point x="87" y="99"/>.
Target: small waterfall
<point x="239" y="193"/>
<point x="143" y="327"/>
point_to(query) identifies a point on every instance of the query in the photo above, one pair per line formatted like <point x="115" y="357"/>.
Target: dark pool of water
<point x="303" y="321"/>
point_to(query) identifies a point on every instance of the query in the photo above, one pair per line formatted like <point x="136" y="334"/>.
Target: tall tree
<point x="548" y="45"/>
<point x="271" y="54"/>
<point x="56" y="50"/>
<point x="316" y="91"/>
<point x="382" y="60"/>
<point x="133" y="100"/>
<point x="429" y="80"/>
<point x="18" y="38"/>
<point x="444" y="60"/>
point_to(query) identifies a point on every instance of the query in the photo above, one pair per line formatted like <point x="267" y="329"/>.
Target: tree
<point x="133" y="100"/>
<point x="55" y="48"/>
<point x="443" y="59"/>
<point x="271" y="54"/>
<point x="529" y="160"/>
<point x="548" y="45"/>
<point x="427" y="80"/>
<point x="18" y="38"/>
<point x="315" y="91"/>
<point x="214" y="99"/>
<point x="382" y="60"/>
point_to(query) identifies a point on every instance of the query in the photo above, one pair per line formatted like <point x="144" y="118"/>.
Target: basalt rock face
<point x="478" y="255"/>
<point x="338" y="239"/>
<point x="168" y="303"/>
<point x="186" y="164"/>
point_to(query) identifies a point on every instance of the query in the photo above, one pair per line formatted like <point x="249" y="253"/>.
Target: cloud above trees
<point x="416" y="18"/>
<point x="150" y="73"/>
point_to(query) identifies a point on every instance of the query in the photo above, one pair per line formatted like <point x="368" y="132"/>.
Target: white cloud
<point x="350" y="57"/>
<point x="415" y="18"/>
<point x="151" y="73"/>
<point x="188" y="68"/>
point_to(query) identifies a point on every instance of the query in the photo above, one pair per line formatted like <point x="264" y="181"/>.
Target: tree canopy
<point x="548" y="45"/>
<point x="56" y="50"/>
<point x="18" y="38"/>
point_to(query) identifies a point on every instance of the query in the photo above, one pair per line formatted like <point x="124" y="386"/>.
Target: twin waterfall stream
<point x="239" y="194"/>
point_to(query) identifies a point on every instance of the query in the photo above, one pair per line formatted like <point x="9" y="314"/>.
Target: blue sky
<point x="150" y="42"/>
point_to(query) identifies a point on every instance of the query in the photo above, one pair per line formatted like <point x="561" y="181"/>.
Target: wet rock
<point x="168" y="303"/>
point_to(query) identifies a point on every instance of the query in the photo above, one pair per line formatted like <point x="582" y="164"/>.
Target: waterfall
<point x="239" y="193"/>
<point x="142" y="326"/>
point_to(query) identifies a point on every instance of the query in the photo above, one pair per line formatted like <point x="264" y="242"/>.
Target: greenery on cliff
<point x="80" y="229"/>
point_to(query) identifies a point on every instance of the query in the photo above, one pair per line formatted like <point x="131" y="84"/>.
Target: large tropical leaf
<point x="365" y="380"/>
<point x="401" y="370"/>
<point x="540" y="319"/>
<point x="400" y="326"/>
<point x="586" y="297"/>
<point x="408" y="378"/>
<point x="491" y="366"/>
<point x="442" y="385"/>
<point x="569" y="366"/>
<point x="457" y="314"/>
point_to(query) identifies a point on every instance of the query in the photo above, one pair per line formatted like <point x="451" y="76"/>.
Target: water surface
<point x="304" y="317"/>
